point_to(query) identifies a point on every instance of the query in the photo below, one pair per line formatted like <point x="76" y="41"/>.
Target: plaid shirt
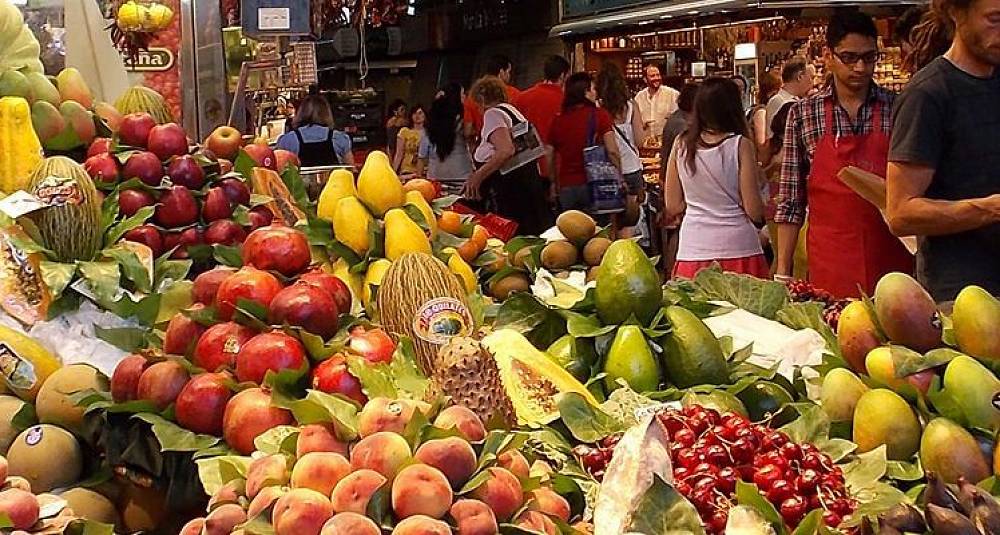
<point x="806" y="126"/>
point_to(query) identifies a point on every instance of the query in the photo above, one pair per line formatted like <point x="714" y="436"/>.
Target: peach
<point x="502" y="492"/>
<point x="229" y="493"/>
<point x="320" y="471"/>
<point x="224" y="519"/>
<point x="21" y="508"/>
<point x="350" y="524"/>
<point x="383" y="452"/>
<point x="301" y="512"/>
<point x="464" y="420"/>
<point x="264" y="499"/>
<point x="421" y="525"/>
<point x="453" y="456"/>
<point x="193" y="527"/>
<point x="267" y="471"/>
<point x="546" y="501"/>
<point x="384" y="414"/>
<point x="319" y="437"/>
<point x="536" y="521"/>
<point x="420" y="489"/>
<point x="513" y="461"/>
<point x="474" y="517"/>
<point x="540" y="469"/>
<point x="4" y="468"/>
<point x="352" y="493"/>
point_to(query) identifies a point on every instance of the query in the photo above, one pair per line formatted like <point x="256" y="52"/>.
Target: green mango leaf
<point x="24" y="418"/>
<point x="915" y="362"/>
<point x="375" y="380"/>
<point x="405" y="372"/>
<point x="56" y="276"/>
<point x="836" y="448"/>
<point x="581" y="326"/>
<point x="128" y="339"/>
<point x="585" y="422"/>
<point x="945" y="403"/>
<point x="241" y="215"/>
<point x="623" y="403"/>
<point x="116" y="231"/>
<point x="173" y="437"/>
<point x="761" y="297"/>
<point x="297" y="187"/>
<point x="317" y="407"/>
<point x="866" y="469"/>
<point x="812" y="524"/>
<point x="243" y="165"/>
<point x="26" y="244"/>
<point x="874" y="500"/>
<point x="524" y="313"/>
<point x="214" y="472"/>
<point x="812" y="425"/>
<point x="663" y="510"/>
<point x="318" y="231"/>
<point x="132" y="267"/>
<point x="174" y="299"/>
<point x="169" y="271"/>
<point x="102" y="279"/>
<point x="747" y="494"/>
<point x="252" y="314"/>
<point x="109" y="209"/>
<point x="279" y="439"/>
<point x="904" y="471"/>
<point x="442" y="203"/>
<point x="228" y="255"/>
<point x="809" y="316"/>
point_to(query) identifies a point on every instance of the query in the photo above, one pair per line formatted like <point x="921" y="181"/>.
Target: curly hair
<point x="933" y="36"/>
<point x="488" y="91"/>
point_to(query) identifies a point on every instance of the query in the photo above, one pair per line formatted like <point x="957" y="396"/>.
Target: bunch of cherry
<point x="802" y="291"/>
<point x="710" y="452"/>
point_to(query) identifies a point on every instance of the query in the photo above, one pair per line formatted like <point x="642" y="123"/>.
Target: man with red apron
<point x="848" y="242"/>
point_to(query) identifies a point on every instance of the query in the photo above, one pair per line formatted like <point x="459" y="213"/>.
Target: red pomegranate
<point x="277" y="248"/>
<point x="249" y="284"/>
<point x="273" y="351"/>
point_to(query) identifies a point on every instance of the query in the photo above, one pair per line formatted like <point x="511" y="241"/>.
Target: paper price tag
<point x="20" y="203"/>
<point x="643" y="412"/>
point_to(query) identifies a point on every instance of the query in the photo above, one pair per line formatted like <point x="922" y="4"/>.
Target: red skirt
<point x="755" y="265"/>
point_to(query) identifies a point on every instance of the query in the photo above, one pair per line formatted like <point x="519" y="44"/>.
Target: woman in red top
<point x="580" y="125"/>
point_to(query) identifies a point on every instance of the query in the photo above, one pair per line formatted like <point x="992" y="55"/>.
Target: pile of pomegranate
<point x="710" y="452"/>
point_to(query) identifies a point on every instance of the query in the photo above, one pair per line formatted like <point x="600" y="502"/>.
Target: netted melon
<point x="71" y="225"/>
<point x="54" y="404"/>
<point x="138" y="99"/>
<point x="531" y="379"/>
<point x="49" y="457"/>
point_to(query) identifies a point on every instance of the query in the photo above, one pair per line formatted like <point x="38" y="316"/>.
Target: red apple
<point x="306" y="306"/>
<point x="333" y="377"/>
<point x="102" y="168"/>
<point x="145" y="166"/>
<point x="202" y="403"/>
<point x="375" y="345"/>
<point x="147" y="235"/>
<point x="248" y="415"/>
<point x="101" y="145"/>
<point x="283" y="158"/>
<point x="334" y="286"/>
<point x="273" y="351"/>
<point x="135" y="128"/>
<point x="166" y="140"/>
<point x="278" y="248"/>
<point x="259" y="216"/>
<point x="177" y="208"/>
<point x="247" y="283"/>
<point x="216" y="205"/>
<point x="225" y="232"/>
<point x="125" y="379"/>
<point x="162" y="382"/>
<point x="236" y="190"/>
<point x="131" y="200"/>
<point x="206" y="285"/>
<point x="181" y="240"/>
<point x="183" y="333"/>
<point x="224" y="142"/>
<point x="185" y="171"/>
<point x="218" y="346"/>
<point x="262" y="155"/>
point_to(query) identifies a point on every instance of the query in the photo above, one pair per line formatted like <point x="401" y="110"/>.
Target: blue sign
<point x="583" y="8"/>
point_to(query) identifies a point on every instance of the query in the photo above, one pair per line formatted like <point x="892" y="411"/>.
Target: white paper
<point x="274" y="18"/>
<point x="20" y="203"/>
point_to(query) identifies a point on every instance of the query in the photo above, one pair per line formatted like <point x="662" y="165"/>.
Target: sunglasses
<point x="850" y="58"/>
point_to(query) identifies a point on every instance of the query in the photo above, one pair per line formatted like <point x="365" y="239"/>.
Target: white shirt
<point x="656" y="107"/>
<point x="493" y="119"/>
<point x="774" y="105"/>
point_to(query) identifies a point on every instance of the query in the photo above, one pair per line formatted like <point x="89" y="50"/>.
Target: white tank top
<point x="715" y="226"/>
<point x="626" y="142"/>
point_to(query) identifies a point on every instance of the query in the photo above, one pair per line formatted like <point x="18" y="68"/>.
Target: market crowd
<point x="839" y="181"/>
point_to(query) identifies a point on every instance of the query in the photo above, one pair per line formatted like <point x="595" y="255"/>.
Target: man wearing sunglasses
<point x="848" y="123"/>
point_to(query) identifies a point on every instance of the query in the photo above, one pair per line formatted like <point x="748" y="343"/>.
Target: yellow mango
<point x="373" y="278"/>
<point x="459" y="267"/>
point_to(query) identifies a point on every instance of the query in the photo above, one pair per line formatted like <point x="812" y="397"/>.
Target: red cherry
<point x="688" y="458"/>
<point x="808" y="480"/>
<point x="791" y="451"/>
<point x="780" y="491"/>
<point x="717" y="455"/>
<point x="841" y="506"/>
<point x="767" y="475"/>
<point x="742" y="450"/>
<point x="727" y="479"/>
<point x="832" y="519"/>
<point x="685" y="436"/>
<point x="717" y="522"/>
<point x="705" y="468"/>
<point x="774" y="441"/>
<point x="793" y="509"/>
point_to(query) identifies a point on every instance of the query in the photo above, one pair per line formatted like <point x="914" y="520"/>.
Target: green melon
<point x="71" y="226"/>
<point x="138" y="99"/>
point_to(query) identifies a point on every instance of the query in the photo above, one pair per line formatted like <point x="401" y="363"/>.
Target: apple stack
<point x="196" y="200"/>
<point x="223" y="343"/>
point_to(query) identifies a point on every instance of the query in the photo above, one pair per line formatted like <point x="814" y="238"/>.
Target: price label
<point x="643" y="412"/>
<point x="274" y="18"/>
<point x="20" y="203"/>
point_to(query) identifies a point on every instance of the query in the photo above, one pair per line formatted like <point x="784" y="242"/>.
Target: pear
<point x="841" y="392"/>
<point x="378" y="186"/>
<point x="350" y="225"/>
<point x="950" y="451"/>
<point x="339" y="185"/>
<point x="416" y="199"/>
<point x="883" y="417"/>
<point x="403" y="236"/>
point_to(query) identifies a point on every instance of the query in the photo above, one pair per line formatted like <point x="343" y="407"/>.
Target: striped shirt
<point x="806" y="126"/>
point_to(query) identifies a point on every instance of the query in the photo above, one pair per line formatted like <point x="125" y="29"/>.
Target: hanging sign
<point x="154" y="59"/>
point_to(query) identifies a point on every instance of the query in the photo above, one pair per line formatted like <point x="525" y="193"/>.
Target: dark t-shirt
<point x="950" y="120"/>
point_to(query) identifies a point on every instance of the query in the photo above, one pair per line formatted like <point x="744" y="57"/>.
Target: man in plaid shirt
<point x="846" y="124"/>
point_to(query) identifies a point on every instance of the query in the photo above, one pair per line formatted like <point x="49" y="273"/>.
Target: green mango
<point x="630" y="358"/>
<point x="627" y="285"/>
<point x="974" y="388"/>
<point x="14" y="84"/>
<point x="975" y="319"/>
<point x="840" y="394"/>
<point x="42" y="89"/>
<point x="951" y="452"/>
<point x="764" y="400"/>
<point x="691" y="354"/>
<point x="575" y="355"/>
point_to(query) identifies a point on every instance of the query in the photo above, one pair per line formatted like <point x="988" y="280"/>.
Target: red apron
<point x="848" y="242"/>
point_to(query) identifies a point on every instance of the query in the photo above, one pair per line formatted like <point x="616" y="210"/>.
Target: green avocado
<point x="627" y="285"/>
<point x="765" y="399"/>
<point x="575" y="355"/>
<point x="631" y="359"/>
<point x="691" y="354"/>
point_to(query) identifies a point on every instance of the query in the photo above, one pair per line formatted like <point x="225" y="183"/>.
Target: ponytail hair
<point x="933" y="36"/>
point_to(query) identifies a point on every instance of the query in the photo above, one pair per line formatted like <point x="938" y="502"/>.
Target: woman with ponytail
<point x="943" y="181"/>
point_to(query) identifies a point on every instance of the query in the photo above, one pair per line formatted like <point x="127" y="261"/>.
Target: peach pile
<point x="381" y="482"/>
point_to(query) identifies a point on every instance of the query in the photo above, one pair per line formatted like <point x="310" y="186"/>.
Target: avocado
<point x="691" y="354"/>
<point x="627" y="285"/>
<point x="764" y="400"/>
<point x="631" y="359"/>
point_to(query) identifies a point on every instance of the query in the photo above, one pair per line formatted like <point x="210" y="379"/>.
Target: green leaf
<point x="243" y="165"/>
<point x="241" y="215"/>
<point x="836" y="448"/>
<point x="214" y="472"/>
<point x="623" y="403"/>
<point x="904" y="471"/>
<point x="866" y="469"/>
<point x="874" y="500"/>
<point x="132" y="267"/>
<point x="581" y="326"/>
<point x="945" y="403"/>
<point x="24" y="418"/>
<point x="173" y="437"/>
<point x="116" y="231"/>
<point x="128" y="339"/>
<point x="102" y="279"/>
<point x="525" y="314"/>
<point x="747" y="494"/>
<point x="442" y="203"/>
<point x="56" y="276"/>
<point x="585" y="422"/>
<point x="277" y="440"/>
<point x="812" y="424"/>
<point x="915" y="362"/>
<point x="663" y="510"/>
<point x="375" y="380"/>
<point x="27" y="245"/>
<point x="474" y="483"/>
<point x="318" y="349"/>
<point x="405" y="373"/>
<point x="809" y="316"/>
<point x="296" y="186"/>
<point x="169" y="271"/>
<point x="173" y="299"/>
<point x="761" y="297"/>
<point x="83" y="526"/>
<point x="812" y="524"/>
<point x="228" y="255"/>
